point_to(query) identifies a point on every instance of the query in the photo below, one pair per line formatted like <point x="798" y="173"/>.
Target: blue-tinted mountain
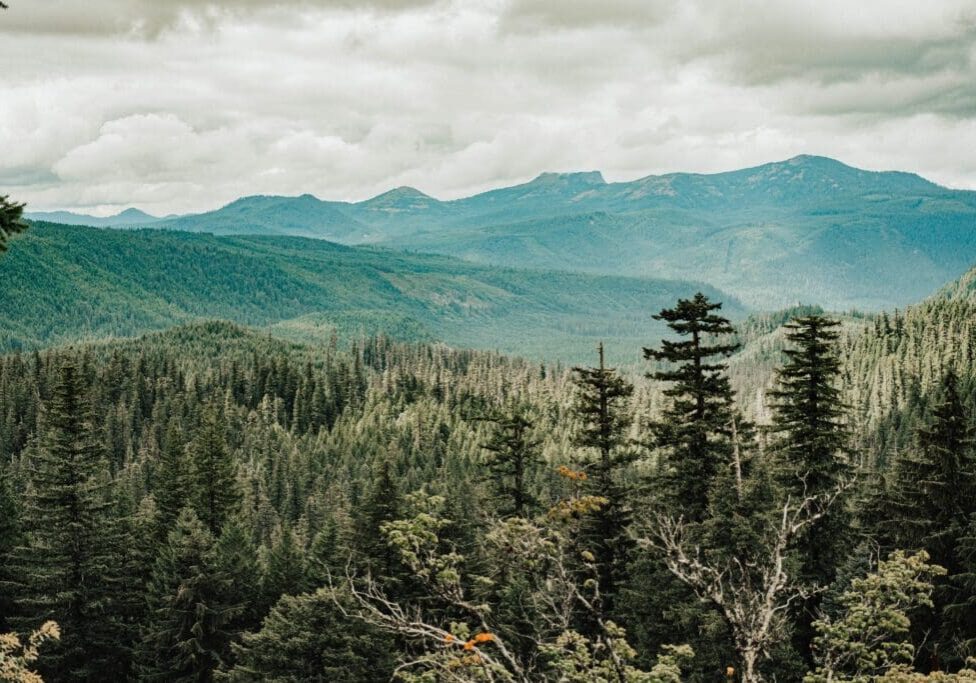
<point x="129" y="217"/>
<point x="807" y="230"/>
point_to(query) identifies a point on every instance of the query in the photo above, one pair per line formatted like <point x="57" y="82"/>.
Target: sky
<point x="176" y="106"/>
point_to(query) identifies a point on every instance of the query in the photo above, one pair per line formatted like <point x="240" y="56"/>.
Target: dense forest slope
<point x="808" y="230"/>
<point x="66" y="283"/>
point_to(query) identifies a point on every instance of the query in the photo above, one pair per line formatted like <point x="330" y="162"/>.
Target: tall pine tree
<point x="186" y="636"/>
<point x="513" y="458"/>
<point x="602" y="413"/>
<point x="65" y="566"/>
<point x="933" y="498"/>
<point x="214" y="489"/>
<point x="694" y="434"/>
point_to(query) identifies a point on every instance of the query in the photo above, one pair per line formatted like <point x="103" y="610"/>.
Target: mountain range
<point x="806" y="230"/>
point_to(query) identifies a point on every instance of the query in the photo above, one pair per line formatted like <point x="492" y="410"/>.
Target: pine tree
<point x="306" y="638"/>
<point x="65" y="567"/>
<point x="602" y="411"/>
<point x="11" y="221"/>
<point x="694" y="431"/>
<point x="935" y="484"/>
<point x="514" y="457"/>
<point x="238" y="580"/>
<point x="171" y="483"/>
<point x="9" y="540"/>
<point x="960" y="613"/>
<point x="808" y="414"/>
<point x="285" y="570"/>
<point x="186" y="636"/>
<point x="383" y="504"/>
<point x="214" y="487"/>
<point x="811" y="452"/>
<point x="933" y="497"/>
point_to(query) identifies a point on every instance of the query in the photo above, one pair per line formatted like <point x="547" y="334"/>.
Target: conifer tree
<point x="933" y="498"/>
<point x="694" y="431"/>
<point x="214" y="473"/>
<point x="513" y="458"/>
<point x="383" y="504"/>
<point x="810" y="446"/>
<point x="9" y="539"/>
<point x="306" y="638"/>
<point x="186" y="635"/>
<point x="285" y="571"/>
<point x="171" y="483"/>
<point x="65" y="567"/>
<point x="935" y="484"/>
<point x="601" y="409"/>
<point x="238" y="581"/>
<point x="808" y="414"/>
<point x="960" y="613"/>
<point x="11" y="221"/>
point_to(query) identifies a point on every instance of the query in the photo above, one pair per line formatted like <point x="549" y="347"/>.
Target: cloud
<point x="148" y="18"/>
<point x="186" y="105"/>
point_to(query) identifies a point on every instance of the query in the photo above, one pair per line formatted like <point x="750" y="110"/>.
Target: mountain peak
<point x="403" y="192"/>
<point x="576" y="178"/>
<point x="133" y="213"/>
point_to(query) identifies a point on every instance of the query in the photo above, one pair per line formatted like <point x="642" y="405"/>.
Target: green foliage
<point x="213" y="478"/>
<point x="186" y="636"/>
<point x="64" y="567"/>
<point x="693" y="432"/>
<point x="603" y="419"/>
<point x="512" y="461"/>
<point x="11" y="222"/>
<point x="578" y="660"/>
<point x="307" y="638"/>
<point x="870" y="637"/>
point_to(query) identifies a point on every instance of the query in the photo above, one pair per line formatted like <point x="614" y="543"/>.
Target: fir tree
<point x="214" y="480"/>
<point x="383" y="504"/>
<point x="171" y="489"/>
<point x="694" y="431"/>
<point x="933" y="497"/>
<point x="808" y="414"/>
<point x="935" y="484"/>
<point x="238" y="581"/>
<point x="186" y="635"/>
<point x="285" y="570"/>
<point x="11" y="221"/>
<point x="513" y="458"/>
<point x="601" y="409"/>
<point x="306" y="638"/>
<point x="9" y="539"/>
<point x="810" y="451"/>
<point x="65" y="567"/>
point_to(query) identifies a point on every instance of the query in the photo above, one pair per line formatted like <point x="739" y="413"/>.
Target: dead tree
<point x="753" y="594"/>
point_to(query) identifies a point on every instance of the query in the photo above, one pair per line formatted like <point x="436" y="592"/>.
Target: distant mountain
<point x="129" y="217"/>
<point x="807" y="230"/>
<point x="303" y="216"/>
<point x="68" y="283"/>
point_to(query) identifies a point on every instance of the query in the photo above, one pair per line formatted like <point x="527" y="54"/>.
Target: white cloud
<point x="186" y="105"/>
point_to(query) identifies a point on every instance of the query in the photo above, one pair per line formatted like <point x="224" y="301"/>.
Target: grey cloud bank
<point x="182" y="106"/>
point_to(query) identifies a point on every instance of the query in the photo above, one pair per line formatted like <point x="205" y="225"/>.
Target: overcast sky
<point x="183" y="105"/>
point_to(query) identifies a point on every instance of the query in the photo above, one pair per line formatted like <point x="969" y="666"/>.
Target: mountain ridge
<point x="809" y="228"/>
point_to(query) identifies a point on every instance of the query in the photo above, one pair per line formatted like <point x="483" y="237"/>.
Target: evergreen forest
<point x="189" y="493"/>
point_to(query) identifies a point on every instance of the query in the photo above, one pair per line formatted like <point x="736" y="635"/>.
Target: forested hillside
<point x="69" y="283"/>
<point x="255" y="509"/>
